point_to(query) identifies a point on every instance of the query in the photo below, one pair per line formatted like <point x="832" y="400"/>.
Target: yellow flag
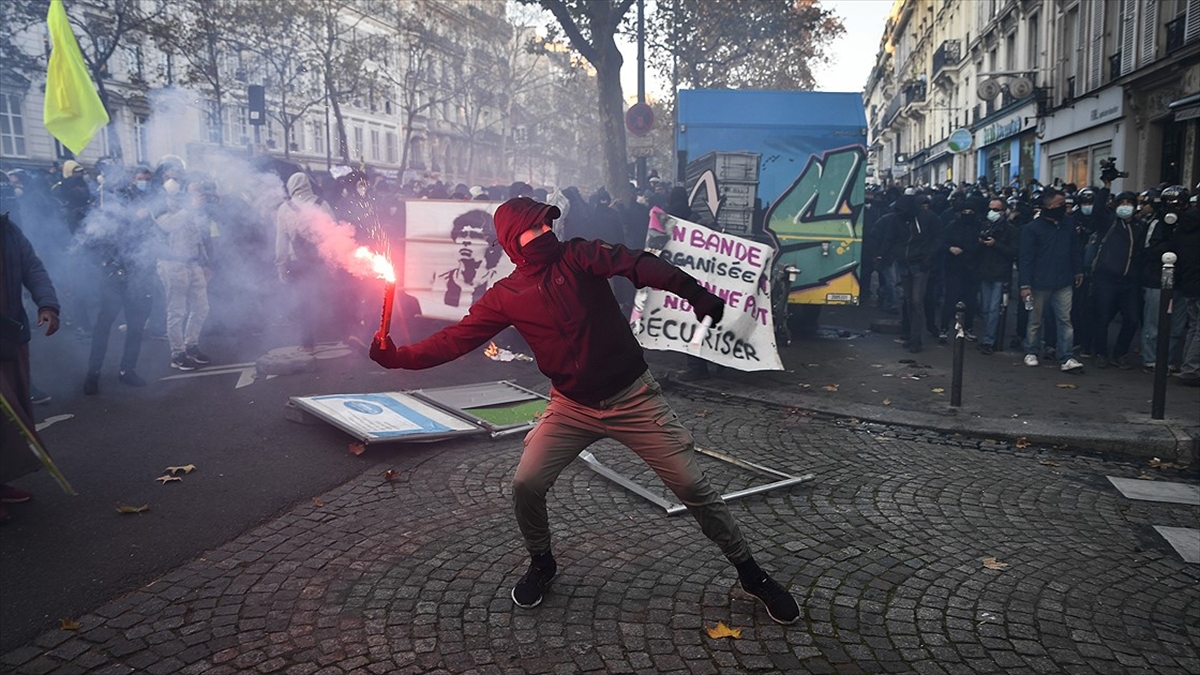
<point x="73" y="112"/>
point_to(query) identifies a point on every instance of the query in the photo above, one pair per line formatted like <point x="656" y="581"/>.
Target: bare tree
<point x="332" y="32"/>
<point x="591" y="26"/>
<point x="291" y="78"/>
<point x="204" y="34"/>
<point x="102" y="27"/>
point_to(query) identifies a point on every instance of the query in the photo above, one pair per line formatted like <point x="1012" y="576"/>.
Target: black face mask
<point x="1055" y="213"/>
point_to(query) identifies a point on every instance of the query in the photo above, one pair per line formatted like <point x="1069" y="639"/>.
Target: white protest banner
<point x="733" y="268"/>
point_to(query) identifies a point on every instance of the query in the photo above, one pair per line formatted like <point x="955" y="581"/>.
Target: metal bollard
<point x="960" y="342"/>
<point x="1002" y="325"/>
<point x="1163" y="348"/>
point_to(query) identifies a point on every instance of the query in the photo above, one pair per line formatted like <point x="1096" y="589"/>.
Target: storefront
<point x="1079" y="136"/>
<point x="1008" y="148"/>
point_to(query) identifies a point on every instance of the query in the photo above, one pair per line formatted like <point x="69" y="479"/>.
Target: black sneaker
<point x="528" y="592"/>
<point x="780" y="604"/>
<point x="181" y="361"/>
<point x="91" y="384"/>
<point x="131" y="378"/>
<point x="198" y="356"/>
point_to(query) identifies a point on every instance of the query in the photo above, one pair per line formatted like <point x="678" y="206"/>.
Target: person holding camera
<point x="994" y="262"/>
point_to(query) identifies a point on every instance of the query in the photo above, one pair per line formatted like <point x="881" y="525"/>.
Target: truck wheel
<point x="803" y="320"/>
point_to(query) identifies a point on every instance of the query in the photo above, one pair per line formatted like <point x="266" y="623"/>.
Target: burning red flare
<point x="381" y="267"/>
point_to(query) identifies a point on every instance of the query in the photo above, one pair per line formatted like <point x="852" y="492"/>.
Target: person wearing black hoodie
<point x="960" y="248"/>
<point x="1115" y="285"/>
<point x="1185" y="242"/>
<point x="911" y="236"/>
<point x="559" y="299"/>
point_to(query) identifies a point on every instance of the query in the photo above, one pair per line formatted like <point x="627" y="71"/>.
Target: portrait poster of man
<point x="450" y="259"/>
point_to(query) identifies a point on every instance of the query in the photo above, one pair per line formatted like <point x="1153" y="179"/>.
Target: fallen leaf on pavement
<point x="168" y="479"/>
<point x="1146" y="476"/>
<point x="887" y="401"/>
<point x="938" y="390"/>
<point x="1067" y="385"/>
<point x="317" y="502"/>
<point x="721" y="630"/>
<point x="993" y="564"/>
<point x="176" y="469"/>
<point x="830" y="387"/>
<point x="391" y="475"/>
<point x="1046" y="462"/>
<point x="1022" y="443"/>
<point x="133" y="509"/>
<point x="1159" y="464"/>
<point x="69" y="624"/>
<point x="702" y="414"/>
<point x="357" y="448"/>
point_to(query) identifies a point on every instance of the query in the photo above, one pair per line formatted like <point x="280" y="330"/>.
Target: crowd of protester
<point x="180" y="253"/>
<point x="1065" y="262"/>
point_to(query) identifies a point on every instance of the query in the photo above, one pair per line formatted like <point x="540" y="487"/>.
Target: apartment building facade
<point x="437" y="110"/>
<point x="1018" y="90"/>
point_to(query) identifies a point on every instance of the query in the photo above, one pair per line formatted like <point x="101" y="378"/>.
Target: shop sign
<point x="960" y="140"/>
<point x="1001" y="130"/>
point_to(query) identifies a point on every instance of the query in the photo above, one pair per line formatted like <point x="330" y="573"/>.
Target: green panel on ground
<point x="510" y="413"/>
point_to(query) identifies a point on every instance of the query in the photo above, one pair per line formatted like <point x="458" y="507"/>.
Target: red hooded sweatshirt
<point x="560" y="301"/>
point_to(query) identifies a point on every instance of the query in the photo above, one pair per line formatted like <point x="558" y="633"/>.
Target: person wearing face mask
<point x="997" y="249"/>
<point x="1184" y="217"/>
<point x="1090" y="218"/>
<point x="1157" y="240"/>
<point x="1116" y="287"/>
<point x="1050" y="266"/>
<point x="559" y="299"/>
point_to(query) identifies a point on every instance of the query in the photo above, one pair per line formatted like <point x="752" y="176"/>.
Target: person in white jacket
<point x="297" y="257"/>
<point x="184" y="266"/>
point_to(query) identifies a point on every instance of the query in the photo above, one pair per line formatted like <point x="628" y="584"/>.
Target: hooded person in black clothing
<point x="911" y="236"/>
<point x="559" y="299"/>
<point x="960" y="246"/>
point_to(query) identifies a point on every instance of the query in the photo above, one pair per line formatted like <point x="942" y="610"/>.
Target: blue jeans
<point x="1150" y="326"/>
<point x="1060" y="304"/>
<point x="990" y="293"/>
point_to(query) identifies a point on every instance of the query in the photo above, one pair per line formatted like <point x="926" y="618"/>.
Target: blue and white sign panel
<point x="388" y="416"/>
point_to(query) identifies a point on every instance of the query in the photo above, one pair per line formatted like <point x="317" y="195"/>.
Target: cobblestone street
<point x="885" y="550"/>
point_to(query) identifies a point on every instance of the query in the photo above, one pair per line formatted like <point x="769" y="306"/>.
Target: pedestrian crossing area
<point x="1185" y="540"/>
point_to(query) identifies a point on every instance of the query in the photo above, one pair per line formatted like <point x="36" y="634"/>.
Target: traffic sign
<point x="639" y="119"/>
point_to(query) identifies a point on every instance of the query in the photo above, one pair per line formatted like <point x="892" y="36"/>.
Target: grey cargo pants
<point x="640" y="418"/>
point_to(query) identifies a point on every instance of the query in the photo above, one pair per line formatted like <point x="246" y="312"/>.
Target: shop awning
<point x="1186" y="108"/>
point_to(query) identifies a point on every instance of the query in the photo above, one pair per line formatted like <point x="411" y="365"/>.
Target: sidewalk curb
<point x="1167" y="440"/>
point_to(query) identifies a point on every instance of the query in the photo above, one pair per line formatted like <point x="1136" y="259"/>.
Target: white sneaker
<point x="1031" y="361"/>
<point x="1071" y="364"/>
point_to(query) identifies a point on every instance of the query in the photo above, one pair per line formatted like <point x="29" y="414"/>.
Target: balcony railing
<point x="1175" y="34"/>
<point x="892" y="109"/>
<point x="1114" y="66"/>
<point x="946" y="55"/>
<point x="914" y="92"/>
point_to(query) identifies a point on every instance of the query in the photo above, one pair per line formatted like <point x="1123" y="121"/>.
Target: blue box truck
<point x="787" y="167"/>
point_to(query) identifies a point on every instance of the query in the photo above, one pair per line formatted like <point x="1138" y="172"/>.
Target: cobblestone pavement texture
<point x="885" y="551"/>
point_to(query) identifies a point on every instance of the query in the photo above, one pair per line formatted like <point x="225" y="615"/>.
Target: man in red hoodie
<point x="560" y="300"/>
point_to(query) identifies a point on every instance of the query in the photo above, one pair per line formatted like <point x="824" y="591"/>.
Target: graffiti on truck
<point x="815" y="223"/>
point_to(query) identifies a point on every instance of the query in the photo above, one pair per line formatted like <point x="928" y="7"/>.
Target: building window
<point x="141" y="141"/>
<point x="318" y="137"/>
<point x="391" y="147"/>
<point x="375" y="151"/>
<point x="1077" y="168"/>
<point x="1058" y="169"/>
<point x="12" y="126"/>
<point x="358" y="142"/>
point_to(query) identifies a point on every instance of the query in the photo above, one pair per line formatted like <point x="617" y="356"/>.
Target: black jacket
<point x="1185" y="242"/>
<point x="911" y="235"/>
<point x="1119" y="251"/>
<point x="995" y="262"/>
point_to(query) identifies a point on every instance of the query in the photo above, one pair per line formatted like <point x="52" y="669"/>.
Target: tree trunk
<point x="339" y="122"/>
<point x="612" y="120"/>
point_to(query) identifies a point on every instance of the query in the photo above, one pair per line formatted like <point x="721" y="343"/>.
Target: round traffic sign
<point x="639" y="119"/>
